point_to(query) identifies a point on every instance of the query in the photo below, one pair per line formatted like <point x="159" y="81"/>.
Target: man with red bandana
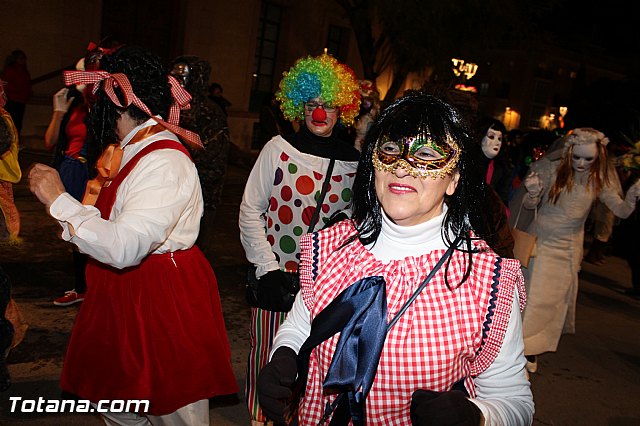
<point x="281" y="193"/>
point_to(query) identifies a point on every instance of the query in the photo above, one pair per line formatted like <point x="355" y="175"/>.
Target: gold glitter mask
<point x="420" y="156"/>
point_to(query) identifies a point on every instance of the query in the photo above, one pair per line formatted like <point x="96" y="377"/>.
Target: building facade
<point x="249" y="43"/>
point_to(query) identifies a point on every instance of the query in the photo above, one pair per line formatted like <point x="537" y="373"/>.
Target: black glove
<point x="277" y="290"/>
<point x="275" y="382"/>
<point x="452" y="408"/>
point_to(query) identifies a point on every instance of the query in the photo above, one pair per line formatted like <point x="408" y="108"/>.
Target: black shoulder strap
<point x="325" y="185"/>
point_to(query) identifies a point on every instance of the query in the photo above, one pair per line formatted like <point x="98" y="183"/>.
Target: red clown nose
<point x="319" y="114"/>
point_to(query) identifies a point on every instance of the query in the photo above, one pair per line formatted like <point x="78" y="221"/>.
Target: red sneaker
<point x="69" y="298"/>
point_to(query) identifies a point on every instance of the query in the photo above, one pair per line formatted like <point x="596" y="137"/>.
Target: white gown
<point x="552" y="277"/>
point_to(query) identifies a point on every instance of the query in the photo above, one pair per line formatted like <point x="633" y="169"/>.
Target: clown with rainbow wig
<point x="323" y="78"/>
<point x="283" y="189"/>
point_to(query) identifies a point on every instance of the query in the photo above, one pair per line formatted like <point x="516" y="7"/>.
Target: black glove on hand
<point x="278" y="279"/>
<point x="277" y="290"/>
<point x="275" y="382"/>
<point x="452" y="408"/>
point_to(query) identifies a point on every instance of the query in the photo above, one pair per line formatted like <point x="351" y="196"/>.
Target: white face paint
<point x="491" y="143"/>
<point x="584" y="156"/>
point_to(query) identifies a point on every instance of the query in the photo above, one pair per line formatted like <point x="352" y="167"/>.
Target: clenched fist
<point x="45" y="183"/>
<point x="633" y="193"/>
<point x="533" y="184"/>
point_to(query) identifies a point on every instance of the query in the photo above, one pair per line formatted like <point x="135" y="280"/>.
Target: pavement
<point x="593" y="378"/>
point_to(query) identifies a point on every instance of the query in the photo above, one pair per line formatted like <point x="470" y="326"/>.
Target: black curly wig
<point x="404" y="118"/>
<point x="149" y="80"/>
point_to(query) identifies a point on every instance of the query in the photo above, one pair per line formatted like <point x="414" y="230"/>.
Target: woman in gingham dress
<point x="456" y="355"/>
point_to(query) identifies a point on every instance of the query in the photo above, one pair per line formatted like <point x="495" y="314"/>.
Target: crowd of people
<point x="382" y="282"/>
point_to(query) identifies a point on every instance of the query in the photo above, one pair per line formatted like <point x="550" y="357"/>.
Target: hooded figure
<point x="207" y="120"/>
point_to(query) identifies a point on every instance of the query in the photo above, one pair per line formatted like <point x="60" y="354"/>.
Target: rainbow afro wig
<point x="320" y="77"/>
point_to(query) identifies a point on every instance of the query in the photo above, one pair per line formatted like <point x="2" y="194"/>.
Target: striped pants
<point x="9" y="210"/>
<point x="264" y="325"/>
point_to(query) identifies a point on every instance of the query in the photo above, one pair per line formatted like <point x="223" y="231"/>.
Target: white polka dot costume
<point x="279" y="200"/>
<point x="286" y="183"/>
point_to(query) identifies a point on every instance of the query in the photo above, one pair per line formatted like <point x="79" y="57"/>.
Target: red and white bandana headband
<point x="181" y="99"/>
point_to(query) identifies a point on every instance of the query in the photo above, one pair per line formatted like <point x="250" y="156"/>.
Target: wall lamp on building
<point x="460" y="67"/>
<point x="511" y="118"/>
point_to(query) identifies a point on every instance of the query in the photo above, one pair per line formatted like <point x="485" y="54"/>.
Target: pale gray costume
<point x="552" y="277"/>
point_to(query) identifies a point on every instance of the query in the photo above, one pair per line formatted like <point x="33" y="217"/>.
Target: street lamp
<point x="563" y="111"/>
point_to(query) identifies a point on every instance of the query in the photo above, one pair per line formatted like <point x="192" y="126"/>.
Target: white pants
<point x="194" y="414"/>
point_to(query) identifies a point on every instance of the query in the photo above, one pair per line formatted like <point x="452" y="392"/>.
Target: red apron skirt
<point x="153" y="331"/>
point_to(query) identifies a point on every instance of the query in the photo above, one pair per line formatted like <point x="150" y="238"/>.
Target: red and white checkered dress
<point x="443" y="337"/>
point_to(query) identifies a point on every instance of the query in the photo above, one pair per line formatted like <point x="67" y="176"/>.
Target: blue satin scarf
<point x="359" y="313"/>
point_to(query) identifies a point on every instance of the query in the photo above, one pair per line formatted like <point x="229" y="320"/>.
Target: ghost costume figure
<point x="562" y="186"/>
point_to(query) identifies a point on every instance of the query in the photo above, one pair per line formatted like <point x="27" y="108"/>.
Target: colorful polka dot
<point x="317" y="175"/>
<point x="284" y="156"/>
<point x="291" y="266"/>
<point x="307" y="214"/>
<point x="277" y="227"/>
<point x="273" y="204"/>
<point x="286" y="193"/>
<point x="287" y="244"/>
<point x="305" y="185"/>
<point x="285" y="214"/>
<point x="297" y="231"/>
<point x="269" y="222"/>
<point x="278" y="178"/>
<point x="271" y="240"/>
<point x="325" y="208"/>
<point x="333" y="198"/>
<point x="346" y="195"/>
<point x="297" y="202"/>
<point x="337" y="178"/>
<point x="293" y="169"/>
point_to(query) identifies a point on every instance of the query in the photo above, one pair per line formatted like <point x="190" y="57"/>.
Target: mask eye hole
<point x="427" y="154"/>
<point x="390" y="148"/>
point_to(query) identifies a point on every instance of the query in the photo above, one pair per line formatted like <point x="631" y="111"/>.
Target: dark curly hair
<point x="404" y="118"/>
<point x="149" y="80"/>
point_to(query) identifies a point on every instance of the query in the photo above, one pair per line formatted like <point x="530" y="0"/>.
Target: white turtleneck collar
<point x="396" y="242"/>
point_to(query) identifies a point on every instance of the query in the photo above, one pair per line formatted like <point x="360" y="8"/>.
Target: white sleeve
<point x="296" y="327"/>
<point x="158" y="193"/>
<point x="253" y="210"/>
<point x="612" y="197"/>
<point x="544" y="170"/>
<point x="503" y="391"/>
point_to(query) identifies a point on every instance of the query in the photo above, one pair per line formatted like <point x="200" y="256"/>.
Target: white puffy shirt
<point x="157" y="209"/>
